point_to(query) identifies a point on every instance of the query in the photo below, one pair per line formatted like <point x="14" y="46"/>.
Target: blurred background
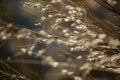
<point x="60" y="40"/>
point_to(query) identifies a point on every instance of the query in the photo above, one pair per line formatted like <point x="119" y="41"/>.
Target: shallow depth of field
<point x="59" y="40"/>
